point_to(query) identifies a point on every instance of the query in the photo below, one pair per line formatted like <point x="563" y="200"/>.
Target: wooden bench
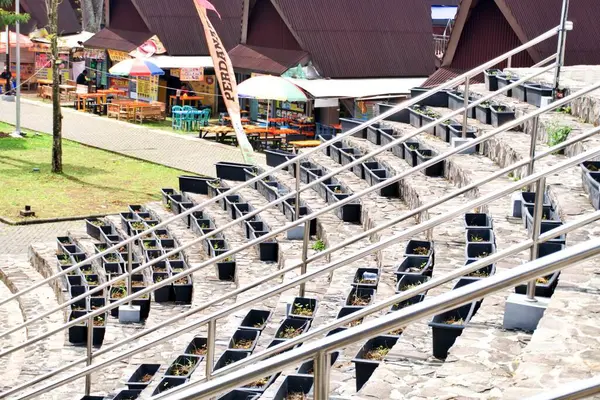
<point x="46" y="92"/>
<point x="151" y="113"/>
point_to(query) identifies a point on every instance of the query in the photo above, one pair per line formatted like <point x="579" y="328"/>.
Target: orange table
<point x="85" y="96"/>
<point x="116" y="92"/>
<point x="243" y="119"/>
<point x="336" y="126"/>
<point x="191" y="99"/>
<point x="305" y="143"/>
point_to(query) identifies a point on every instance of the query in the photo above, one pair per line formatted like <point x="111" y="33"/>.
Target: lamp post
<point x="18" y="40"/>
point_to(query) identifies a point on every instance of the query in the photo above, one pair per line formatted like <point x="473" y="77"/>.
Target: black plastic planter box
<point x="366" y="367"/>
<point x="239" y="394"/>
<point x="411" y="280"/>
<point x="360" y="281"/>
<point x="278" y="157"/>
<point x="166" y="193"/>
<point x="99" y="331"/>
<point x="197" y="347"/>
<point x="414" y="265"/>
<point x="435" y="170"/>
<point x="294" y="384"/>
<point x="442" y="130"/>
<point x="484" y="113"/>
<point x="226" y="271"/>
<point x="367" y="294"/>
<point x="194" y="184"/>
<point x="374" y="135"/>
<point x="127" y="395"/>
<point x="464" y="282"/>
<point x="165" y="293"/>
<point x="542" y="289"/>
<point x="376" y="176"/>
<point x="527" y="199"/>
<point x="242" y="334"/>
<point x="479" y="250"/>
<point x="259" y="386"/>
<point x="350" y="212"/>
<point x="456" y="100"/>
<point x="348" y="124"/>
<point x="306" y="303"/>
<point x="410" y="153"/>
<point x="412" y="245"/>
<point x="135" y="382"/>
<point x="500" y="115"/>
<point x="400" y="116"/>
<point x="439" y="99"/>
<point x="255" y="320"/>
<point x="546" y="226"/>
<point x="76" y="285"/>
<point x="216" y="187"/>
<point x="167" y="384"/>
<point x="491" y="80"/>
<point x="591" y="185"/>
<point x="229" y="357"/>
<point x="481" y="273"/>
<point x="535" y="92"/>
<point x="77" y="333"/>
<point x="444" y="334"/>
<point x="480" y="236"/>
<point x="299" y="324"/>
<point x="93" y="398"/>
<point x="307" y="367"/>
<point x="426" y="120"/>
<point x="548" y="214"/>
<point x="505" y="80"/>
<point x="183" y="292"/>
<point x="183" y="360"/>
<point x="520" y="92"/>
<point x="231" y="171"/>
<point x="415" y="116"/>
<point x="406" y="303"/>
<point x="478" y="221"/>
<point x="92" y="228"/>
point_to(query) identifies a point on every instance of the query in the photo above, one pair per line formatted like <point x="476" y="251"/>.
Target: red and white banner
<point x="226" y="78"/>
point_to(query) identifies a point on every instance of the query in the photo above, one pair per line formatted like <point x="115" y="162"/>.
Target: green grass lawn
<point x="93" y="182"/>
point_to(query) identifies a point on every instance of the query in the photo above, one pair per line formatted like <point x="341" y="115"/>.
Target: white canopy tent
<point x="167" y="62"/>
<point x="357" y="88"/>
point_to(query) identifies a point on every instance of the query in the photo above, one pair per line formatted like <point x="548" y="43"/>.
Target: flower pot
<point x="142" y="376"/>
<point x="548" y="214"/>
<point x="295" y="325"/>
<point x="414" y="265"/>
<point x="245" y="336"/>
<point x="194" y="184"/>
<point x="365" y="364"/>
<point x="400" y="116"/>
<point x="479" y="250"/>
<point x="435" y="170"/>
<point x="99" y="329"/>
<point x="481" y="273"/>
<point x="333" y="150"/>
<point x="197" y="347"/>
<point x="418" y="247"/>
<point x="501" y="115"/>
<point x="348" y="124"/>
<point x="536" y="91"/>
<point x="374" y="135"/>
<point x="491" y="80"/>
<point x="484" y="113"/>
<point x="260" y="385"/>
<point x="543" y="288"/>
<point x="165" y="293"/>
<point x="278" y="157"/>
<point x="216" y="187"/>
<point x="464" y="282"/>
<point x="255" y="320"/>
<point x="415" y="116"/>
<point x="410" y="153"/>
<point x="77" y="333"/>
<point x="505" y="80"/>
<point x="230" y="357"/>
<point x="183" y="291"/>
<point x="238" y="394"/>
<point x="456" y="131"/>
<point x="294" y="384"/>
<point x="445" y="334"/>
<point x="92" y="227"/>
<point x="376" y="176"/>
<point x="480" y="236"/>
<point x="350" y="212"/>
<point x="456" y="100"/>
<point x="269" y="190"/>
<point x="478" y="221"/>
<point x="439" y="99"/>
<point x="407" y="303"/>
<point x="168" y="383"/>
<point x="520" y="92"/>
<point x="547" y="226"/>
<point x="143" y="302"/>
<point x="306" y="304"/>
<point x="307" y="367"/>
<point x="426" y="120"/>
<point x="226" y="271"/>
<point x="76" y="285"/>
<point x="345" y="311"/>
<point x="240" y="209"/>
<point x="231" y="171"/>
<point x="366" y="278"/>
<point x="387" y="136"/>
<point x="127" y="395"/>
<point x="442" y="130"/>
<point x="189" y="361"/>
<point x="591" y="185"/>
<point x="364" y="295"/>
<point x="408" y="282"/>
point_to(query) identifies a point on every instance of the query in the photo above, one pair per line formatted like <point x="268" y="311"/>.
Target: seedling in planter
<point x="396" y="332"/>
<point x="112" y="258"/>
<point x="63" y="259"/>
<point x="300" y="309"/>
<point x="296" y="396"/>
<point x="500" y="108"/>
<point x="479" y="274"/>
<point x="87" y="272"/>
<point x="137" y="283"/>
<point x="163" y="236"/>
<point x="90" y="281"/>
<point x="98" y="320"/>
<point x="203" y="226"/>
<point x="168" y="205"/>
<point x="422" y="251"/>
<point x="592" y="168"/>
<point x="182" y="369"/>
<point x="377" y="354"/>
<point x="359" y="301"/>
<point x="260" y="324"/>
<point x="366" y="281"/>
<point x="413" y="147"/>
<point x="181" y="281"/>
<point x="149" y="246"/>
<point x="139" y="226"/>
<point x="177" y="270"/>
<point x="118" y="292"/>
<point x="337" y="190"/>
<point x="243" y="344"/>
<point x="542" y="280"/>
<point x="319" y="245"/>
<point x="96" y="223"/>
<point x="513" y="177"/>
<point x="259" y="383"/>
<point x="483" y="255"/>
<point x="290" y="332"/>
<point x="557" y="133"/>
<point x="199" y="351"/>
<point x="564" y="110"/>
<point x="408" y="287"/>
<point x="173" y="257"/>
<point x="475" y="238"/>
<point x="356" y="322"/>
<point x="216" y="246"/>
<point x="454" y="321"/>
<point x="146" y="378"/>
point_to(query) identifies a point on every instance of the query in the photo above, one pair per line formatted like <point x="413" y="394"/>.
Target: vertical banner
<point x="226" y="78"/>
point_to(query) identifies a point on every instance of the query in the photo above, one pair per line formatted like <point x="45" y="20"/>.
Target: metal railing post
<point x="130" y="275"/>
<point x="532" y="145"/>
<point x="88" y="361"/>
<point x="509" y="62"/>
<point x="465" y="114"/>
<point x="297" y="208"/>
<point x="536" y="228"/>
<point x="305" y="241"/>
<point x="321" y="370"/>
<point x="210" y="347"/>
<point x="560" y="52"/>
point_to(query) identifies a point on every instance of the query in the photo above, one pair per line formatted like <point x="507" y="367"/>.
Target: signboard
<point x="207" y="90"/>
<point x="119" y="83"/>
<point x="191" y="74"/>
<point x="146" y="90"/>
<point x="118" y="56"/>
<point x="96" y="54"/>
<point x="149" y="48"/>
<point x="175" y="72"/>
<point x="364" y="110"/>
<point x="42" y="60"/>
<point x="43" y="64"/>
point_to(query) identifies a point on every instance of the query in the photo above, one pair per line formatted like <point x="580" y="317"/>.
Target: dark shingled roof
<point x="68" y="21"/>
<point x="265" y="59"/>
<point x="117" y="39"/>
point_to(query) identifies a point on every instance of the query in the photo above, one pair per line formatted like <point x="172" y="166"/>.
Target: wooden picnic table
<point x="101" y="97"/>
<point x="305" y="143"/>
<point x="116" y="92"/>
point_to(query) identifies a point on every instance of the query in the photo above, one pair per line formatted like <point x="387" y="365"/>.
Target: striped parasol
<point x="135" y="67"/>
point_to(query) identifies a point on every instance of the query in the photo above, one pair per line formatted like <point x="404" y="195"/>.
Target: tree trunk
<point x="56" y="111"/>
<point x="92" y="12"/>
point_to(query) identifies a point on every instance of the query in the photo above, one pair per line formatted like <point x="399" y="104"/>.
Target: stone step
<point x="11" y="316"/>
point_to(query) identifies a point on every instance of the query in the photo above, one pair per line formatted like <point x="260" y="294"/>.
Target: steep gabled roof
<point x="178" y="26"/>
<point x="357" y="38"/>
<point x="68" y="22"/>
<point x="265" y="59"/>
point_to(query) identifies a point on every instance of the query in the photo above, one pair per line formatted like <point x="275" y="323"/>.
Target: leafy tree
<point x="8" y="17"/>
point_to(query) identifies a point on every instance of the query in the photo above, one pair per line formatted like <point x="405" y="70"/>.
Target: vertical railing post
<point x="560" y="52"/>
<point x="536" y="228"/>
<point x="532" y="146"/>
<point x="88" y="361"/>
<point x="297" y="208"/>
<point x="129" y="269"/>
<point x="466" y="104"/>
<point x="321" y="370"/>
<point x="210" y="347"/>
<point x="305" y="241"/>
<point x="509" y="62"/>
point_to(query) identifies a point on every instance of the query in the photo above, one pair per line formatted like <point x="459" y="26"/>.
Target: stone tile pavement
<point x="170" y="149"/>
<point x="15" y="239"/>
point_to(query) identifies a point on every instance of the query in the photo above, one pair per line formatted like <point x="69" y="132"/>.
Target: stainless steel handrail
<point x="329" y="268"/>
<point x="298" y="158"/>
<point x="432" y="306"/>
<point x="300" y="221"/>
<point x="572" y="390"/>
<point x="563" y="229"/>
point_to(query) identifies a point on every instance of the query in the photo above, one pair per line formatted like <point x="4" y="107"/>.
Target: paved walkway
<point x="16" y="239"/>
<point x="170" y="149"/>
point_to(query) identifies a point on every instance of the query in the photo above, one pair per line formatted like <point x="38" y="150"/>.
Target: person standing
<point x="7" y="76"/>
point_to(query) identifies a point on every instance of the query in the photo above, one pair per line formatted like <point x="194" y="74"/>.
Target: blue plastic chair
<point x="177" y="117"/>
